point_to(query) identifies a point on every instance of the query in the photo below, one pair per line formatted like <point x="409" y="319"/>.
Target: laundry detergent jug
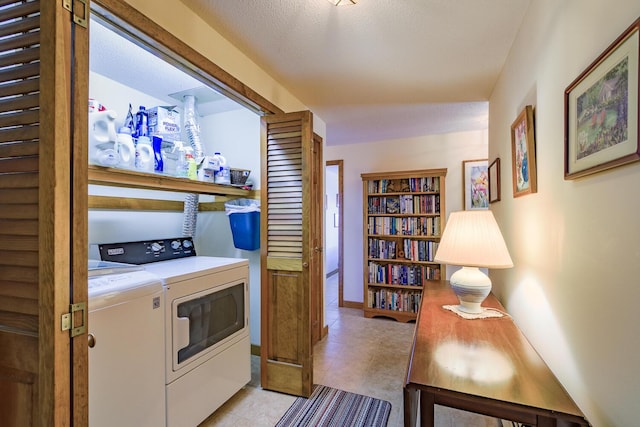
<point x="126" y="149"/>
<point x="102" y="138"/>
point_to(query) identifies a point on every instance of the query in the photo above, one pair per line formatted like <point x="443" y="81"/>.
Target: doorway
<point x="333" y="238"/>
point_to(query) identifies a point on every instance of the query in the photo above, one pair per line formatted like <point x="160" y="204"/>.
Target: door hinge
<point x="79" y="9"/>
<point x="70" y="320"/>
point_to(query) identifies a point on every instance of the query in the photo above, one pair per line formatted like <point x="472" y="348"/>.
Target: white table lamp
<point x="472" y="239"/>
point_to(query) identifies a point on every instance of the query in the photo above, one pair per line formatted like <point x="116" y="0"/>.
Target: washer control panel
<point x="147" y="251"/>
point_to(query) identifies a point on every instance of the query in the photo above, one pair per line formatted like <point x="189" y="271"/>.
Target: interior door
<point x="42" y="214"/>
<point x="287" y="261"/>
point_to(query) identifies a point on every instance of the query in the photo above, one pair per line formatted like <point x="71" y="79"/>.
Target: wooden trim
<point x="54" y="233"/>
<point x="115" y="177"/>
<point x="340" y="164"/>
<point x="404" y="174"/>
<point x="255" y="350"/>
<point x="137" y="204"/>
<point x="176" y="51"/>
<point x="353" y="304"/>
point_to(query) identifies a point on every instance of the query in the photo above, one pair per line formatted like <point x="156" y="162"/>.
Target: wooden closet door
<point x="286" y="253"/>
<point x="42" y="214"/>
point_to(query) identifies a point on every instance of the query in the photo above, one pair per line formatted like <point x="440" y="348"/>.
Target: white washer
<point x="126" y="362"/>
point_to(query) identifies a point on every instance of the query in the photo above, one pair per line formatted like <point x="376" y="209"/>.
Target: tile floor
<point x="365" y="356"/>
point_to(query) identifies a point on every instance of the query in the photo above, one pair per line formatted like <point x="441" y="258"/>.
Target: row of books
<point x="405" y="204"/>
<point x="402" y="274"/>
<point x="386" y="299"/>
<point x="413" y="250"/>
<point x="412" y="226"/>
<point x="404" y="185"/>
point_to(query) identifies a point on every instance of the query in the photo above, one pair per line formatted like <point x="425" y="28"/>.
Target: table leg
<point x="410" y="397"/>
<point x="427" y="409"/>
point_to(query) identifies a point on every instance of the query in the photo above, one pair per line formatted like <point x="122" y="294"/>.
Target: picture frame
<point x="523" y="154"/>
<point x="601" y="110"/>
<point x="494" y="181"/>
<point x="475" y="184"/>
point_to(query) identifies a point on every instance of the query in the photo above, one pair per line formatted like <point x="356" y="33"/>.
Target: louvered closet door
<point x="286" y="349"/>
<point x="38" y="221"/>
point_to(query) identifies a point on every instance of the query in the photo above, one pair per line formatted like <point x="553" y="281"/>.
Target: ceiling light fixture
<point x="342" y="2"/>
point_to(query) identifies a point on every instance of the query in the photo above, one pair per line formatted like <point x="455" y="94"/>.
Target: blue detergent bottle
<point x="142" y="123"/>
<point x="158" y="164"/>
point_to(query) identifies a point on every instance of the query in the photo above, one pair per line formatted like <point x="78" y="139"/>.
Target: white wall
<point x="331" y="218"/>
<point x="573" y="289"/>
<point x="428" y="152"/>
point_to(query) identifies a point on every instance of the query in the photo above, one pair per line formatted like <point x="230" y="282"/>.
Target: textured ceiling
<point x="380" y="69"/>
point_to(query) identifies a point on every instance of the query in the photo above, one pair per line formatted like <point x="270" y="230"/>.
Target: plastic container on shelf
<point x="222" y="175"/>
<point x="158" y="164"/>
<point x="142" y="123"/>
<point x="192" y="166"/>
<point x="102" y="138"/>
<point x="144" y="155"/>
<point x="126" y="148"/>
<point x="244" y="219"/>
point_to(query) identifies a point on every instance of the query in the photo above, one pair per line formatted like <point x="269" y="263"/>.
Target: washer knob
<point x="175" y="245"/>
<point x="156" y="247"/>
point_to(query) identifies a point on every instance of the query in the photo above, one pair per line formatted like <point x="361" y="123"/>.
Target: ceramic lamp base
<point x="471" y="287"/>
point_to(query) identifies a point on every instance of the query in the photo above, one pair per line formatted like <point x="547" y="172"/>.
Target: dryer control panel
<point x="146" y="251"/>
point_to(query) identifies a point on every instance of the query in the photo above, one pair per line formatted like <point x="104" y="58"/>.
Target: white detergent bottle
<point x="182" y="167"/>
<point x="144" y="155"/>
<point x="222" y="174"/>
<point x="126" y="149"/>
<point x="102" y="138"/>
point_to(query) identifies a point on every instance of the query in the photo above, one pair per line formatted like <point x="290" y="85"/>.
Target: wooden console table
<point x="485" y="366"/>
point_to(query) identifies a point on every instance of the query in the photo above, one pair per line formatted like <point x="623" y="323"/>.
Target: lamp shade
<point x="473" y="239"/>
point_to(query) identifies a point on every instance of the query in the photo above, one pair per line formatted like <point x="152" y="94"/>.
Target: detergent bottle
<point x="126" y="148"/>
<point x="102" y="138"/>
<point x="144" y="155"/>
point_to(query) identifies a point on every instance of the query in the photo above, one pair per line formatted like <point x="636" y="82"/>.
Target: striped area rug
<point x="329" y="407"/>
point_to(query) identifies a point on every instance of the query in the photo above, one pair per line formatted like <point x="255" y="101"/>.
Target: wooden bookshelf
<point x="403" y="217"/>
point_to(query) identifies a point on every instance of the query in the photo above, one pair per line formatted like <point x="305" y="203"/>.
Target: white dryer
<point x="126" y="340"/>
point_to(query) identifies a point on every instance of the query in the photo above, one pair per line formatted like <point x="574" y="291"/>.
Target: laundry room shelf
<point x="101" y="175"/>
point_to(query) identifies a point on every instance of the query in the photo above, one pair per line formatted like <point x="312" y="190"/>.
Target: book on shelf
<point x="402" y="274"/>
<point x="394" y="300"/>
<point x="392" y="205"/>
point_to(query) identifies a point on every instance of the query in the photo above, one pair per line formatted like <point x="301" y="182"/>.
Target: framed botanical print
<point x="523" y="154"/>
<point x="601" y="110"/>
<point x="475" y="184"/>
<point x="494" y="181"/>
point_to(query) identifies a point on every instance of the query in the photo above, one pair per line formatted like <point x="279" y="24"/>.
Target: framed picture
<point x="601" y="110"/>
<point x="494" y="181"/>
<point x="523" y="154"/>
<point x="475" y="184"/>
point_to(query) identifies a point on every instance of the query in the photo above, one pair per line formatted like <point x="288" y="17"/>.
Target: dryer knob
<point x="187" y="244"/>
<point x="156" y="247"/>
<point x="175" y="245"/>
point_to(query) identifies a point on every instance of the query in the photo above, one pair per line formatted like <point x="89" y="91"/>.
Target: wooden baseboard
<point x="352" y="304"/>
<point x="255" y="350"/>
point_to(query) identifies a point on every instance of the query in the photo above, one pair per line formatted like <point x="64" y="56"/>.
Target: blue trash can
<point x="244" y="218"/>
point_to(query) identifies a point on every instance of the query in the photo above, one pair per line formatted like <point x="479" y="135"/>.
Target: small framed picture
<point x="475" y="184"/>
<point x="523" y="154"/>
<point x="601" y="110"/>
<point x="494" y="181"/>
